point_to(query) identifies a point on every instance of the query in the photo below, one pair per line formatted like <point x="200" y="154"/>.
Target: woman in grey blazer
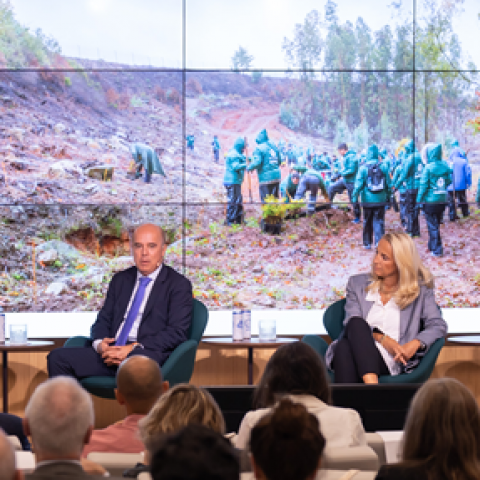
<point x="391" y="316"/>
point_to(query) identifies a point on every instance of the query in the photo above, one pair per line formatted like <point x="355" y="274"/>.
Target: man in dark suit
<point x="147" y="312"/>
<point x="59" y="419"/>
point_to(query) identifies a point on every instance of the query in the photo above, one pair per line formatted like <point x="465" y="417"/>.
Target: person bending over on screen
<point x="391" y="318"/>
<point x="441" y="437"/>
<point x="147" y="311"/>
<point x="297" y="372"/>
<point x="286" y="444"/>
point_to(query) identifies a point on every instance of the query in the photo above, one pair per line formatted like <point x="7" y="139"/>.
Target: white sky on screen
<point x="150" y="31"/>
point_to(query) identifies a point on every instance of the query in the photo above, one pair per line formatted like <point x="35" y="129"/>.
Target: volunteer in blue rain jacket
<point x="190" y="142"/>
<point x="411" y="173"/>
<point x="373" y="185"/>
<point x="461" y="181"/>
<point x="436" y="178"/>
<point x="268" y="169"/>
<point x="216" y="149"/>
<point x="235" y="164"/>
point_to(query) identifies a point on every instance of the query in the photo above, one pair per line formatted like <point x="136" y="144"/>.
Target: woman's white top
<point x="341" y="427"/>
<point x="387" y="319"/>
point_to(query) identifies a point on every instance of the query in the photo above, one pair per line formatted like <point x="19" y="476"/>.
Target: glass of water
<point x="18" y="334"/>
<point x="267" y="330"/>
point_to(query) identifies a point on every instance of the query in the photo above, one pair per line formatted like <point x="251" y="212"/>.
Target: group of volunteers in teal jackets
<point x="371" y="180"/>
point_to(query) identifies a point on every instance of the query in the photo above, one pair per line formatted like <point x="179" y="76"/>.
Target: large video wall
<point x="83" y="81"/>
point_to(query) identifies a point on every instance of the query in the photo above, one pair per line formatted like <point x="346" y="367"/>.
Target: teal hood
<point x="262" y="137"/>
<point x="434" y="154"/>
<point x="454" y="144"/>
<point x="239" y="145"/>
<point x="409" y="147"/>
<point x="383" y="153"/>
<point x="372" y="153"/>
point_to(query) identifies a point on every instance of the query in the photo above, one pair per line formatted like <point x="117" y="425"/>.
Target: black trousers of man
<point x="462" y="203"/>
<point x="373" y="224"/>
<point x="356" y="353"/>
<point x="269" y="189"/>
<point x="234" y="205"/>
<point x="412" y="211"/>
<point x="433" y="216"/>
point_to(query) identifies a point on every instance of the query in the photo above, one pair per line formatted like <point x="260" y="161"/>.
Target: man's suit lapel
<point x="155" y="293"/>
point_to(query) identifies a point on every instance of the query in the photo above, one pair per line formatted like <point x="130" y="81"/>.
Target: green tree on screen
<point x="241" y="60"/>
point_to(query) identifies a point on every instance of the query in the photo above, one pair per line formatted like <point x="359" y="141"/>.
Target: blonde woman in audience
<point x="296" y="371"/>
<point x="442" y="435"/>
<point x="180" y="406"/>
<point x="286" y="444"/>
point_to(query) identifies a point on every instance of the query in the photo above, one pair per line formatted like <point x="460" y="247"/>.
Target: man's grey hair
<point x="7" y="458"/>
<point x="59" y="414"/>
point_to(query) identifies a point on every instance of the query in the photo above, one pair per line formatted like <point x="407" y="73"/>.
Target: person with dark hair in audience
<point x="8" y="469"/>
<point x="297" y="372"/>
<point x="195" y="452"/>
<point x="139" y="385"/>
<point x="286" y="444"/>
<point x="441" y="437"/>
<point x="391" y="318"/>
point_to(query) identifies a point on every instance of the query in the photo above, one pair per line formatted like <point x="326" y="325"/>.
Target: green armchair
<point x="177" y="369"/>
<point x="333" y="322"/>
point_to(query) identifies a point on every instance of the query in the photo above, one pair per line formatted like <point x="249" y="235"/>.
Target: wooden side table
<point x="30" y="346"/>
<point x="254" y="342"/>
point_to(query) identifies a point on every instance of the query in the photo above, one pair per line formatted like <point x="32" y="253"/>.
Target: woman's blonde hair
<point x="180" y="406"/>
<point x="412" y="273"/>
<point x="442" y="431"/>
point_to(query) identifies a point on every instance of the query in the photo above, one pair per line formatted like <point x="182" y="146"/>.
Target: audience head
<point x="294" y="369"/>
<point x="7" y="459"/>
<point x="397" y="255"/>
<point x="182" y="405"/>
<point x="195" y="452"/>
<point x="442" y="430"/>
<point x="286" y="444"/>
<point x="139" y="384"/>
<point x="59" y="418"/>
<point x="149" y="247"/>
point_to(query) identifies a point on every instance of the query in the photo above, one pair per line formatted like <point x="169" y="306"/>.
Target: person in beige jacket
<point x="296" y="371"/>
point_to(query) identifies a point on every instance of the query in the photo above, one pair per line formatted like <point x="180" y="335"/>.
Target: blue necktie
<point x="132" y="314"/>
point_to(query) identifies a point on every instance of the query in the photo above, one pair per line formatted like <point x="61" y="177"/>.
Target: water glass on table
<point x="267" y="330"/>
<point x="18" y="334"/>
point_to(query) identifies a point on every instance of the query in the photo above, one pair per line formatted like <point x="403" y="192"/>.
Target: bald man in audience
<point x="7" y="460"/>
<point x="139" y="385"/>
<point x="59" y="418"/>
<point x="147" y="311"/>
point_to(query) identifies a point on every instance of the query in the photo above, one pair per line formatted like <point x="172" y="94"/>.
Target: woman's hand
<point x="396" y="350"/>
<point x="411" y="348"/>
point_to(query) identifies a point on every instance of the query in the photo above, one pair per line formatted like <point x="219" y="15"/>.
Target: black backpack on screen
<point x="375" y="178"/>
